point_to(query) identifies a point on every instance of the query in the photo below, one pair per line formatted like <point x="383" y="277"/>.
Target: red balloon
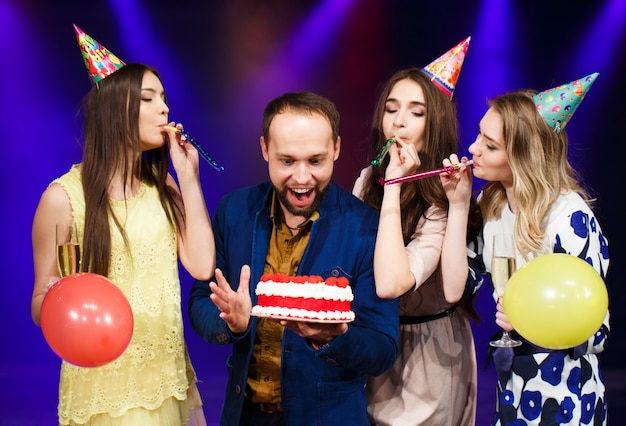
<point x="86" y="320"/>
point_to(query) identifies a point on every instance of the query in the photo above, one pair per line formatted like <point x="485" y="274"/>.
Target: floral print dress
<point x="539" y="386"/>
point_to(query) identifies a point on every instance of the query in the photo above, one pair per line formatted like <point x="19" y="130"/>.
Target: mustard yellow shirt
<point x="283" y="256"/>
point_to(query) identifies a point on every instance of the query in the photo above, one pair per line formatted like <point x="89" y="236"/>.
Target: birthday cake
<point x="304" y="298"/>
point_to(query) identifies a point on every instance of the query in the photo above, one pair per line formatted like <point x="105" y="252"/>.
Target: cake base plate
<point x="280" y="317"/>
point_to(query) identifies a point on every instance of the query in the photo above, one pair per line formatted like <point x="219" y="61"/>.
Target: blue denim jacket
<point x="323" y="387"/>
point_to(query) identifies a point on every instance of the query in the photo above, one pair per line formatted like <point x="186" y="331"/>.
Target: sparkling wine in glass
<point x="502" y="268"/>
<point x="68" y="248"/>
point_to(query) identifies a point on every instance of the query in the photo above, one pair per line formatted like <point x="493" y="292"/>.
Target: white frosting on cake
<point x="275" y="311"/>
<point x="306" y="290"/>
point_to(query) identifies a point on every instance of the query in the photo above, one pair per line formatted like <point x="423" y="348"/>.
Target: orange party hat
<point x="444" y="71"/>
<point x="100" y="62"/>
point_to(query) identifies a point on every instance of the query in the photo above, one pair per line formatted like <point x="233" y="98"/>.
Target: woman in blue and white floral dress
<point x="532" y="193"/>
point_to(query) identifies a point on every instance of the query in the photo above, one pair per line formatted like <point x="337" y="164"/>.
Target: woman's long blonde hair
<point x="541" y="170"/>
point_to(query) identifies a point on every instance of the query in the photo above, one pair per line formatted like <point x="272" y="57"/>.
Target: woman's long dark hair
<point x="112" y="145"/>
<point x="440" y="141"/>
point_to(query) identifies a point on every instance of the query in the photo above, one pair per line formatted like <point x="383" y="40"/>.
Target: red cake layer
<point x="310" y="304"/>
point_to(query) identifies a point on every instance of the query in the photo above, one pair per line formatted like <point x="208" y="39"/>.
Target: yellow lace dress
<point x="152" y="382"/>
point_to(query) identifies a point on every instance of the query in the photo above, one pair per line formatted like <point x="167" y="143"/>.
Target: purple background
<point x="222" y="61"/>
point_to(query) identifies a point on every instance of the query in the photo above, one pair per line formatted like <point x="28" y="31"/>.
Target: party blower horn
<point x="203" y="152"/>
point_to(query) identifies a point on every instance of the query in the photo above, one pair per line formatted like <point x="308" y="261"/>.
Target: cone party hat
<point x="444" y="71"/>
<point x="557" y="105"/>
<point x="100" y="62"/>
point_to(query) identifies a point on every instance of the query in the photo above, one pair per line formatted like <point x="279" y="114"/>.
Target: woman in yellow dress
<point x="133" y="227"/>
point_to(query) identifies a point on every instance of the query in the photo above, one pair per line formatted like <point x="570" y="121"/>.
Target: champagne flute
<point x="502" y="267"/>
<point x="68" y="248"/>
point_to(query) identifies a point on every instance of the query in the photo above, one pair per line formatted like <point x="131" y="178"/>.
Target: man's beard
<point x="306" y="212"/>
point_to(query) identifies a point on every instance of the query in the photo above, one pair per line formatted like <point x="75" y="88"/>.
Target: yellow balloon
<point x="556" y="301"/>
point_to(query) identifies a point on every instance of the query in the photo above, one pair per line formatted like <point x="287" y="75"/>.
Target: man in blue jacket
<point x="300" y="223"/>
